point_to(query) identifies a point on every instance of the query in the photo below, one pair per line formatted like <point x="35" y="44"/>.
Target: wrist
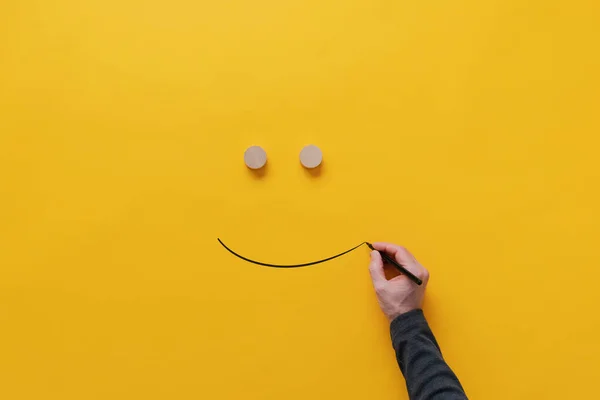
<point x="392" y="315"/>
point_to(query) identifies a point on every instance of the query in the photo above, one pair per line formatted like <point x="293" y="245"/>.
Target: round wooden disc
<point x="311" y="156"/>
<point x="255" y="157"/>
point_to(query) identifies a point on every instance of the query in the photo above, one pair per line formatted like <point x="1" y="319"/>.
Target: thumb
<point x="376" y="268"/>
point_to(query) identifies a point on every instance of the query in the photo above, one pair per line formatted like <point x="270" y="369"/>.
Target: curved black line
<point x="288" y="266"/>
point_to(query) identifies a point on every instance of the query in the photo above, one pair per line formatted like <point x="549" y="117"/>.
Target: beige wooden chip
<point x="311" y="156"/>
<point x="255" y="157"/>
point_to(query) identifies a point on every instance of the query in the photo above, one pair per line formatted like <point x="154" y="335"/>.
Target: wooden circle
<point x="255" y="157"/>
<point x="311" y="156"/>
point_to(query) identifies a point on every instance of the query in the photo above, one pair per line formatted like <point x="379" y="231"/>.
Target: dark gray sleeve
<point x="427" y="375"/>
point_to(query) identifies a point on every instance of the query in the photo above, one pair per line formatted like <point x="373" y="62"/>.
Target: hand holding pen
<point x="396" y="264"/>
<point x="402" y="293"/>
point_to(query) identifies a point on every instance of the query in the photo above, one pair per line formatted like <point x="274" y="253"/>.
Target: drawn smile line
<point x="289" y="265"/>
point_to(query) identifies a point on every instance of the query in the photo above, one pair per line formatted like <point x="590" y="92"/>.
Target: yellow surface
<point x="468" y="131"/>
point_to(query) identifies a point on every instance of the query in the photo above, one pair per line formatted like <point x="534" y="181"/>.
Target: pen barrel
<point x="400" y="268"/>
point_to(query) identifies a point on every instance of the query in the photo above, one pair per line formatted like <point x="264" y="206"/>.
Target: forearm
<point x="427" y="375"/>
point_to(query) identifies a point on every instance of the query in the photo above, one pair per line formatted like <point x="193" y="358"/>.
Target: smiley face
<point x="311" y="158"/>
<point x="455" y="129"/>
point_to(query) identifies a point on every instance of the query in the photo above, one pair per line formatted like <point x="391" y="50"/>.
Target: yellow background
<point x="465" y="130"/>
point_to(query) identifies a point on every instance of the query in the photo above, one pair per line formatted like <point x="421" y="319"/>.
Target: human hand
<point x="398" y="295"/>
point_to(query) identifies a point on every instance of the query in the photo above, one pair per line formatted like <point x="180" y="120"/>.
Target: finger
<point x="376" y="268"/>
<point x="402" y="256"/>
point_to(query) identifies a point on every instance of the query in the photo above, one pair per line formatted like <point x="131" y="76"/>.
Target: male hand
<point x="399" y="294"/>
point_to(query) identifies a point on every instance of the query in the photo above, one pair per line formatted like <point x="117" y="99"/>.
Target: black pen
<point x="399" y="267"/>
